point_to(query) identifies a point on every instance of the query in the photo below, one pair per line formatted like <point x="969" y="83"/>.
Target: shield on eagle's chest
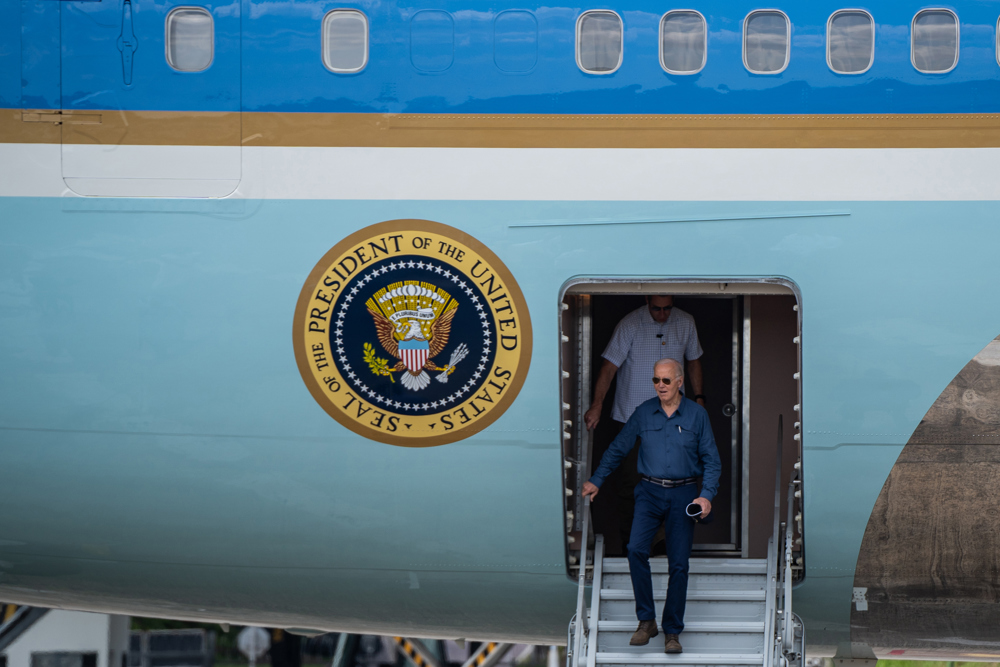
<point x="414" y="354"/>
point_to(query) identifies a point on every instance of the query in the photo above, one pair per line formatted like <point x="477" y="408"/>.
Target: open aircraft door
<point x="150" y="96"/>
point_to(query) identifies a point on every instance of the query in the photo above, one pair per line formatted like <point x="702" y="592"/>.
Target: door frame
<point x="743" y="289"/>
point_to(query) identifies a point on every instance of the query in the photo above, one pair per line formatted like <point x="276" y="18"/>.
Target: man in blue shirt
<point x="676" y="449"/>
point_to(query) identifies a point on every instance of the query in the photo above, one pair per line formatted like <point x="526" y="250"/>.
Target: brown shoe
<point x="671" y="645"/>
<point x="642" y="634"/>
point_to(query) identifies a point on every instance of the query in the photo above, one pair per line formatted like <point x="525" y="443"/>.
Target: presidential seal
<point x="412" y="333"/>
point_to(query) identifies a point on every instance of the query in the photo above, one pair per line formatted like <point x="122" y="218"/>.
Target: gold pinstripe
<point x="159" y="128"/>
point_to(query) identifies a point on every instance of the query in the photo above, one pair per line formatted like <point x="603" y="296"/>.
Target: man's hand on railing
<point x="590" y="490"/>
<point x="592" y="416"/>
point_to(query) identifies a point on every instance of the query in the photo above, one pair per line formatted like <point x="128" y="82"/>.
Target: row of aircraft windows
<point x="850" y="43"/>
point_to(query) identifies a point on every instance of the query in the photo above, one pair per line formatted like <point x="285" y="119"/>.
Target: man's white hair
<point x="678" y="366"/>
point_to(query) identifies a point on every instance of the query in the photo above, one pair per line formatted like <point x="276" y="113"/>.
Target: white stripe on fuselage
<point x="577" y="174"/>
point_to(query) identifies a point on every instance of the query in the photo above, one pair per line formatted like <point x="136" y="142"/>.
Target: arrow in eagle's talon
<point x="460" y="353"/>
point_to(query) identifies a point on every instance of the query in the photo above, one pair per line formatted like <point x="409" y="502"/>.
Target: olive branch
<point x="377" y="366"/>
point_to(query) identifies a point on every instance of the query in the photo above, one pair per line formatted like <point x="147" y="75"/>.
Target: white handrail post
<point x="595" y="600"/>
<point x="581" y="609"/>
<point x="771" y="652"/>
<point x="769" y="604"/>
<point x="787" y="635"/>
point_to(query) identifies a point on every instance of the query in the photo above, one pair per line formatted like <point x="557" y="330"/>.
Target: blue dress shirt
<point x="674" y="447"/>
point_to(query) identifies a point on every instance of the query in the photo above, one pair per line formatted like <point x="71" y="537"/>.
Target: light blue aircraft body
<point x="161" y="453"/>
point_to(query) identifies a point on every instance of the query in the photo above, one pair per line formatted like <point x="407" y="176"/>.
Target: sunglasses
<point x="657" y="309"/>
<point x="665" y="381"/>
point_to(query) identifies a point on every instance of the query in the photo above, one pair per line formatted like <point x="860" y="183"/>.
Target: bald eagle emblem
<point x="413" y="322"/>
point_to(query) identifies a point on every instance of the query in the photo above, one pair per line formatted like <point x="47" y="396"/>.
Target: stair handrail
<point x="788" y="632"/>
<point x="595" y="600"/>
<point x="582" y="626"/>
<point x="782" y="633"/>
<point x="771" y="606"/>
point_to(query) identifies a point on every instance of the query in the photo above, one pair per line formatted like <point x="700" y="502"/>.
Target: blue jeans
<point x="655" y="505"/>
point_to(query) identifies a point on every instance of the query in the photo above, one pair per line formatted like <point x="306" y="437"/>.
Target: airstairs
<point x="723" y="624"/>
<point x="739" y="611"/>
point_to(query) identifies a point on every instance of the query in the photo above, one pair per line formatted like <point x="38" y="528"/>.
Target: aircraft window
<point x="345" y="40"/>
<point x="934" y="41"/>
<point x="850" y="41"/>
<point x="766" y="35"/>
<point x="515" y="41"/>
<point x="432" y="40"/>
<point x="190" y="39"/>
<point x="683" y="41"/>
<point x="599" y="42"/>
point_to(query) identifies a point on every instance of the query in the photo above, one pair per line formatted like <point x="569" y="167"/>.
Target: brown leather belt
<point x="670" y="483"/>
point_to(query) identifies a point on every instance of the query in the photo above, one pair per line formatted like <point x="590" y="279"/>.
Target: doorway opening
<point x="750" y="334"/>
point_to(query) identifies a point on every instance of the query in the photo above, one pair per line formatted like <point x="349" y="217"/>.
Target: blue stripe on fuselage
<point x="280" y="68"/>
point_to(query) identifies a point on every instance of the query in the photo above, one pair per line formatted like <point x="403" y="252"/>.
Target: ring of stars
<point x="444" y="272"/>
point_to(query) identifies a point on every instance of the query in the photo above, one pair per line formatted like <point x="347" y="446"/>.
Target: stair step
<point x="659" y="565"/>
<point x="694" y="642"/>
<point x="696" y="626"/>
<point x="702" y="594"/>
<point x="725" y="626"/>
<point x="687" y="658"/>
<point x="696" y="584"/>
<point x="696" y="611"/>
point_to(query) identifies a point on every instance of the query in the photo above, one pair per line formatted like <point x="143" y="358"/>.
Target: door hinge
<point x="60" y="117"/>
